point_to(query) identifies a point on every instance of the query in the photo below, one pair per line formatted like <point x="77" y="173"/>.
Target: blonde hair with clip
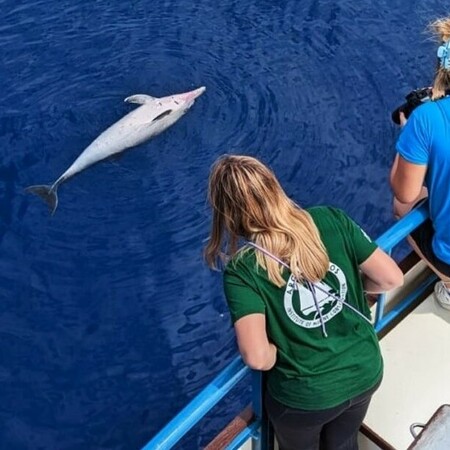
<point x="441" y="29"/>
<point x="248" y="202"/>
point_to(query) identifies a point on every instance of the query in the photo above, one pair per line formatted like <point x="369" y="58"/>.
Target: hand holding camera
<point x="414" y="99"/>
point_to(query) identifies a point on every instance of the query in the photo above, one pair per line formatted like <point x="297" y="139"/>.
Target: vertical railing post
<point x="266" y="438"/>
<point x="258" y="406"/>
<point x="381" y="300"/>
<point x="257" y="400"/>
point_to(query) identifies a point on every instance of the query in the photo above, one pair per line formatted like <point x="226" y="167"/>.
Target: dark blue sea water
<point x="109" y="319"/>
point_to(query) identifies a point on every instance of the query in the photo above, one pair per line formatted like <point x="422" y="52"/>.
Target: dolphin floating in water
<point x="151" y="118"/>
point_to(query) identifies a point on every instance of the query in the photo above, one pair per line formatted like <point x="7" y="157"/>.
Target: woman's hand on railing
<point x="380" y="273"/>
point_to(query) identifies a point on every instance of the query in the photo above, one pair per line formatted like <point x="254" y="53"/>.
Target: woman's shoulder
<point x="330" y="220"/>
<point x="326" y="213"/>
<point x="429" y="109"/>
<point x="244" y="258"/>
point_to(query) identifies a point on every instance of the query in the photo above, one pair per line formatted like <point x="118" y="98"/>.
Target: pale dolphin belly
<point x="121" y="136"/>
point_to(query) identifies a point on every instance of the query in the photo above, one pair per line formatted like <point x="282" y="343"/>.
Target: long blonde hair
<point x="441" y="29"/>
<point x="248" y="202"/>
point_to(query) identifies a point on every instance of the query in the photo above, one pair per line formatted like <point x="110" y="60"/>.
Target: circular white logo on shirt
<point x="302" y="309"/>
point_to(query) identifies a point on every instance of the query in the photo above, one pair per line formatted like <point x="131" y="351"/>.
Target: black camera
<point x="413" y="100"/>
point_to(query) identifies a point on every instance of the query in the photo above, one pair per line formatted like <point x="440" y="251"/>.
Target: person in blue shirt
<point x="422" y="169"/>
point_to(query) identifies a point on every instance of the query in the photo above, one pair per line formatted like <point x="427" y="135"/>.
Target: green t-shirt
<point x="312" y="371"/>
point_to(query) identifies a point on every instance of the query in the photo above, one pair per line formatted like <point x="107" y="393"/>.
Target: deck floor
<point x="416" y="376"/>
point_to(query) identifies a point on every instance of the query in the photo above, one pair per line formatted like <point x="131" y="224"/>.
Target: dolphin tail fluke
<point x="47" y="193"/>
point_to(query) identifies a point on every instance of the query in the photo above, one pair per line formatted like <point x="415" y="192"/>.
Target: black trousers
<point x="328" y="429"/>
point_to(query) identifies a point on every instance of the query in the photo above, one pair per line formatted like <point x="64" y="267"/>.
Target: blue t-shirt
<point x="425" y="140"/>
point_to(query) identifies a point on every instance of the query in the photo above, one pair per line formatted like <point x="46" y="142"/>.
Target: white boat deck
<point x="416" y="377"/>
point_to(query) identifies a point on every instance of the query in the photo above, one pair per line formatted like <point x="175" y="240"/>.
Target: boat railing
<point x="235" y="371"/>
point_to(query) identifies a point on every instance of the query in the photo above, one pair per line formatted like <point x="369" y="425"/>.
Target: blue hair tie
<point x="443" y="53"/>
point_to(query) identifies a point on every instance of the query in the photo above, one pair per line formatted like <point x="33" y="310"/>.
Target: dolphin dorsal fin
<point x="140" y="99"/>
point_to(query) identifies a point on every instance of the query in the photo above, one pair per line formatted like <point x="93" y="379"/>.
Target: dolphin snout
<point x="192" y="95"/>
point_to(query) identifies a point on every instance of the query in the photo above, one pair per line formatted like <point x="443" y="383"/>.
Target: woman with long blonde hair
<point x="422" y="168"/>
<point x="294" y="282"/>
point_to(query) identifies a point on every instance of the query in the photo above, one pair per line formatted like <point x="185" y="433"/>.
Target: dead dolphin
<point x="151" y="118"/>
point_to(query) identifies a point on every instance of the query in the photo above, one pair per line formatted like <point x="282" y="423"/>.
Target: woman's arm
<point x="407" y="179"/>
<point x="256" y="350"/>
<point x="381" y="272"/>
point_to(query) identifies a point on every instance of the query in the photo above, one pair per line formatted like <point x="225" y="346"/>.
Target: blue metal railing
<point x="199" y="406"/>
<point x="192" y="413"/>
<point x="397" y="232"/>
<point x="387" y="241"/>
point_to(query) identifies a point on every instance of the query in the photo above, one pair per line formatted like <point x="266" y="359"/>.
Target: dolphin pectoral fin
<point x="140" y="99"/>
<point x="47" y="193"/>
<point x="115" y="163"/>
<point x="114" y="158"/>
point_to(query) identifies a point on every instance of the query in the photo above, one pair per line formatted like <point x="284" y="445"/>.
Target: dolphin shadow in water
<point x="151" y="118"/>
